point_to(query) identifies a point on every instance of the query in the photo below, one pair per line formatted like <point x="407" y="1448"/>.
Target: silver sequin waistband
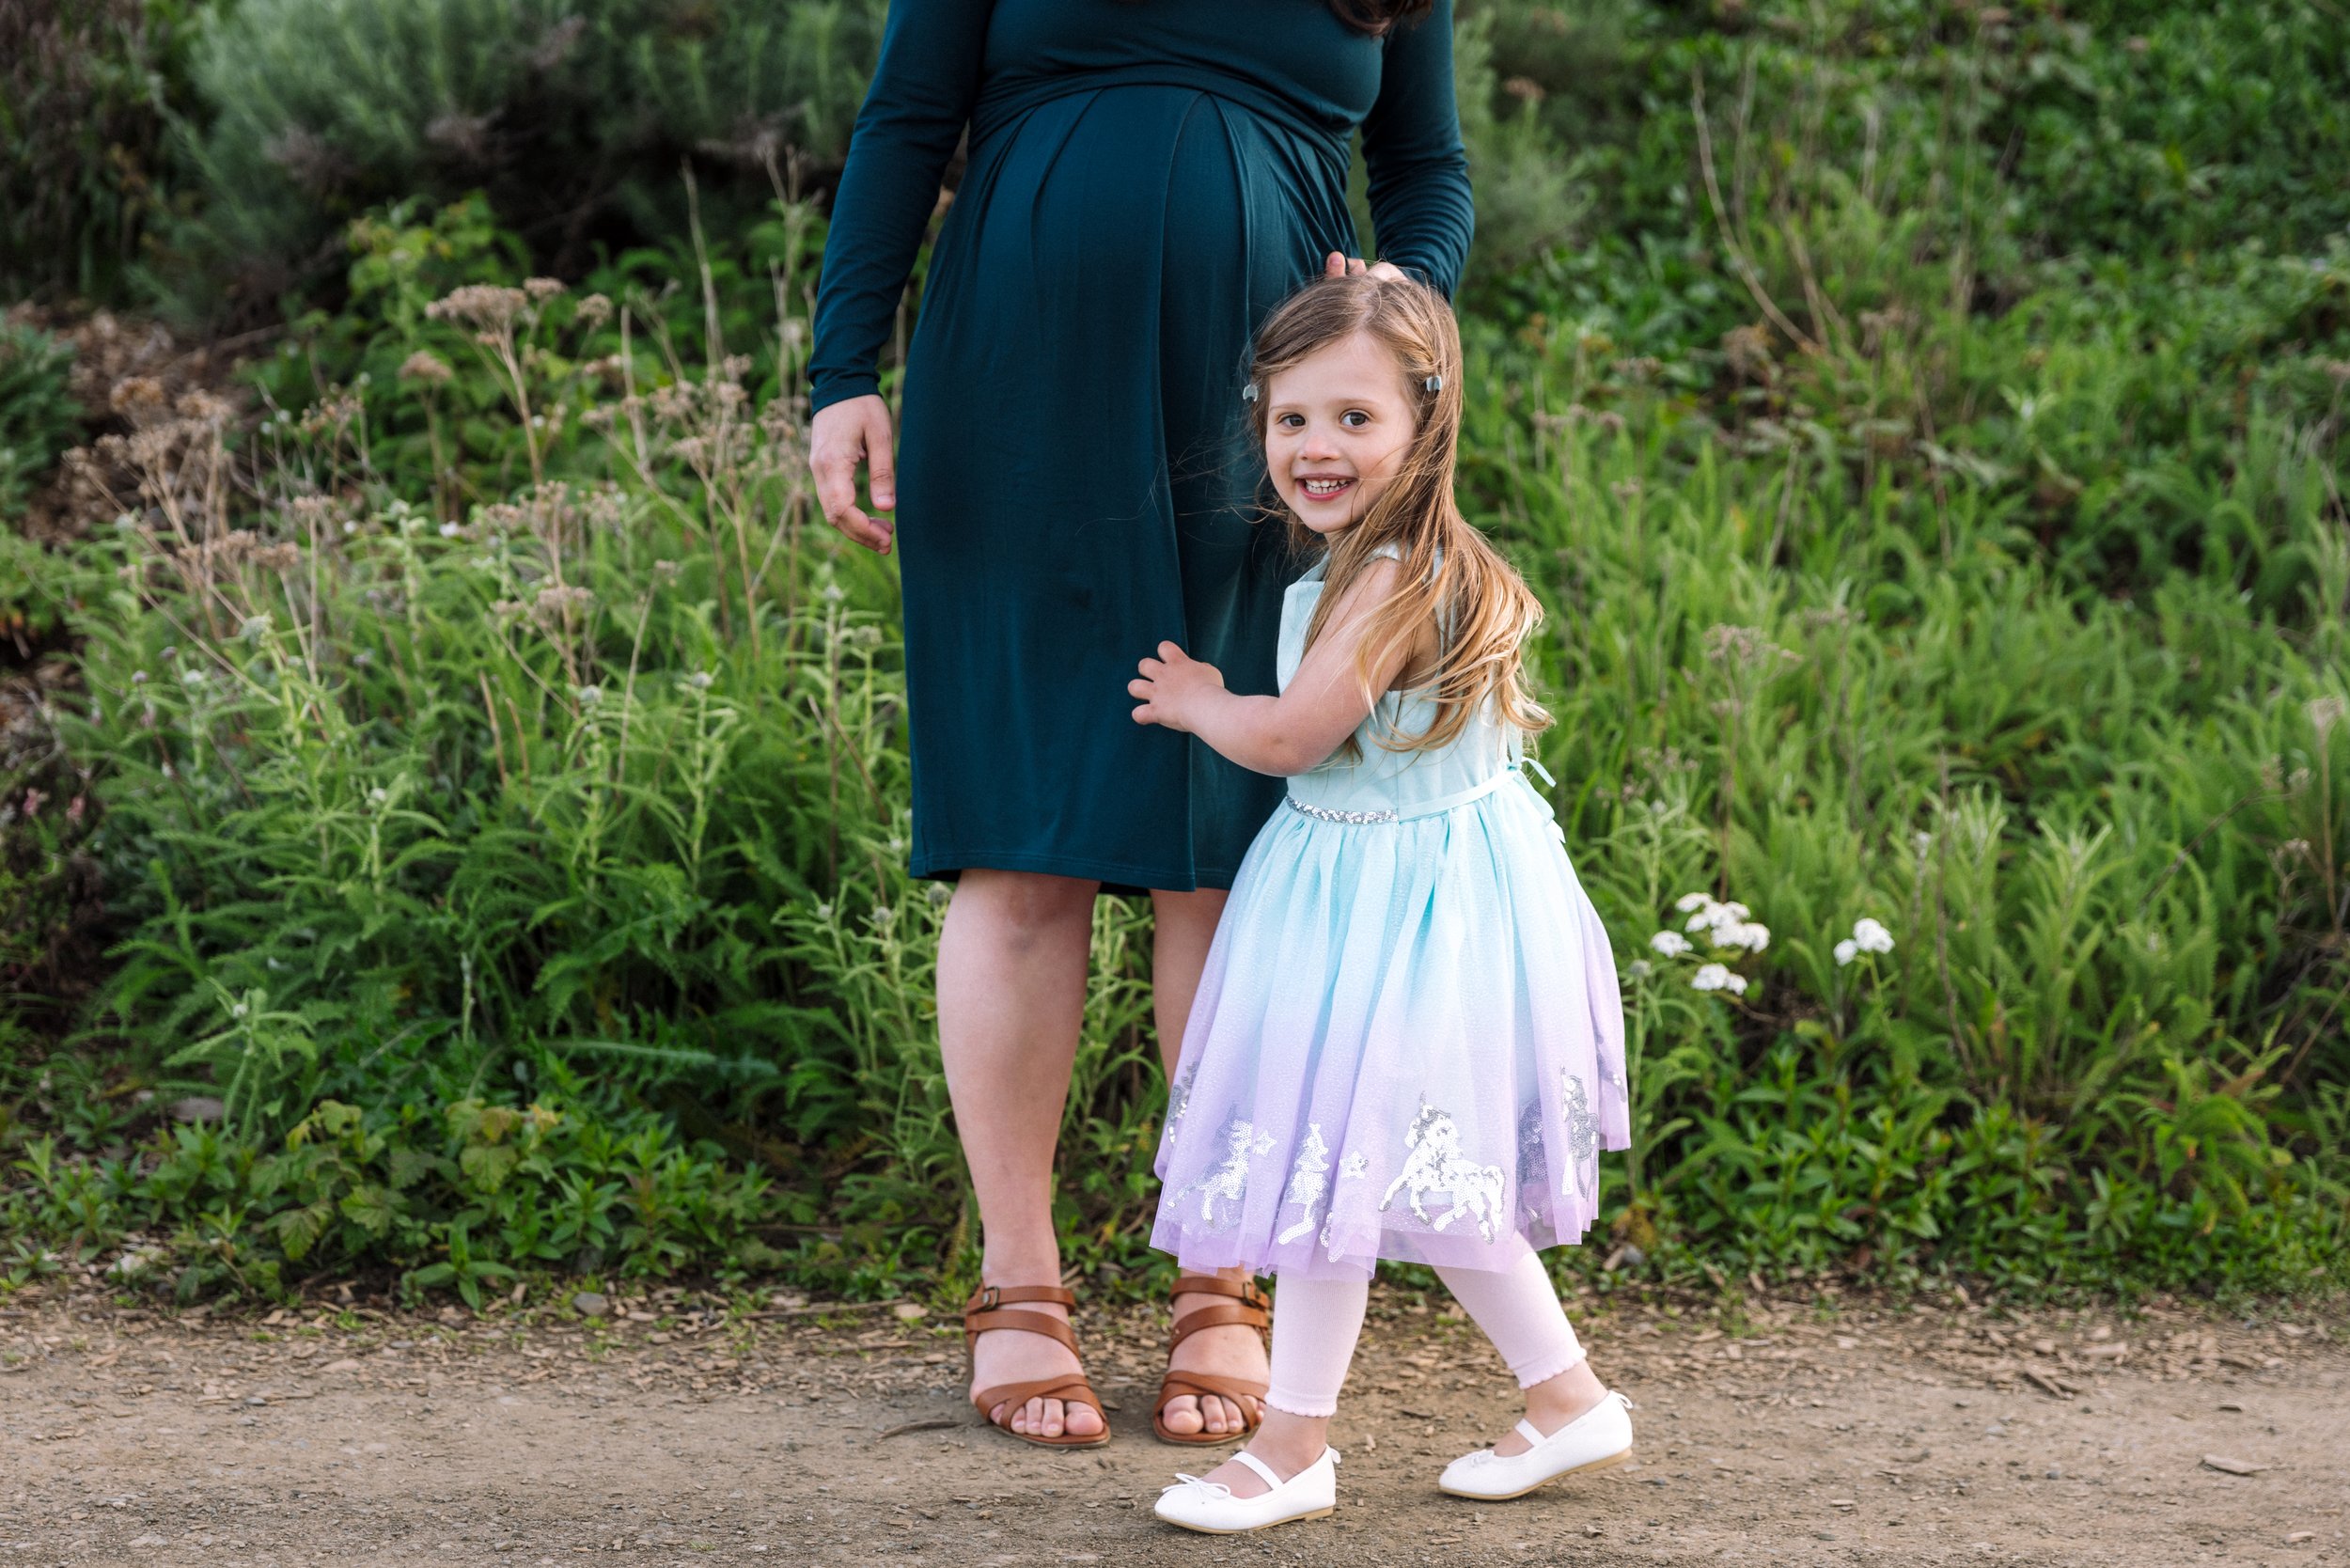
<point x="1427" y="808"/>
<point x="1324" y="814"/>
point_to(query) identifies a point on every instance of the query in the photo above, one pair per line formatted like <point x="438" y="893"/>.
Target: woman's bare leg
<point x="1011" y="986"/>
<point x="1184" y="927"/>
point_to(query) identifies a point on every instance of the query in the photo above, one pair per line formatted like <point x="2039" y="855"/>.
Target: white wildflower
<point x="450" y="531"/>
<point x="1847" y="952"/>
<point x="588" y="696"/>
<point x="1671" y="944"/>
<point x="1870" y="937"/>
<point x="1639" y="968"/>
<point x="1749" y="934"/>
<point x="1715" y="976"/>
<point x="1716" y="916"/>
<point x="700" y="680"/>
<point x="1688" y="901"/>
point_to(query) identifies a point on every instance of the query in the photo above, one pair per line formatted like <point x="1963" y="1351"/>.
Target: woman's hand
<point x="842" y="435"/>
<point x="1170" y="687"/>
<point x="1338" y="264"/>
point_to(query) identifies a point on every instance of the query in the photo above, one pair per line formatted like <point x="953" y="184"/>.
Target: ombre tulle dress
<point x="1409" y="1041"/>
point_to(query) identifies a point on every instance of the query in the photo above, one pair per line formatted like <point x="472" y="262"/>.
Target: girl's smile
<point x="1338" y="424"/>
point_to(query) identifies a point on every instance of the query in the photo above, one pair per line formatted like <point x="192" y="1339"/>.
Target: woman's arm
<point x="1420" y="188"/>
<point x="912" y="116"/>
<point x="1290" y="734"/>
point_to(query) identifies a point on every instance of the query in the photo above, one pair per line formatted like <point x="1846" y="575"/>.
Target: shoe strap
<point x="1526" y="1430"/>
<point x="1261" y="1468"/>
<point x="1217" y="1316"/>
<point x="1214" y="1284"/>
<point x="988" y="1297"/>
<point x="976" y="1324"/>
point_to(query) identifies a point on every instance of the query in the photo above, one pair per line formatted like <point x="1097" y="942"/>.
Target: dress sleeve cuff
<point x="840" y="387"/>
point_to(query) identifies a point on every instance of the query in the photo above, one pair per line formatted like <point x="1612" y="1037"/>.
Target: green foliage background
<point x="1922" y="422"/>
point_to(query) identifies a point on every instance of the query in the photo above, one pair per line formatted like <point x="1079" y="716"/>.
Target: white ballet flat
<point x="1209" y="1506"/>
<point x="1597" y="1438"/>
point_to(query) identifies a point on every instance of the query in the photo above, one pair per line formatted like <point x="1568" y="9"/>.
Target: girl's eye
<point x="1290" y="421"/>
<point x="1354" y="418"/>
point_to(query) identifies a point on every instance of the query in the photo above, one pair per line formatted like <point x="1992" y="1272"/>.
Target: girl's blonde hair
<point x="1451" y="577"/>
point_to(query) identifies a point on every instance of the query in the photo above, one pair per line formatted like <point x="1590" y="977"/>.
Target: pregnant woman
<point x="1144" y="180"/>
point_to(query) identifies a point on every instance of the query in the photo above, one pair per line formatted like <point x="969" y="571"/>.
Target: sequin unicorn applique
<point x="1306" y="1186"/>
<point x="1436" y="1164"/>
<point x="1179" y="1099"/>
<point x="1354" y="1167"/>
<point x="1229" y="1179"/>
<point x="1582" y="1130"/>
<point x="1533" y="1159"/>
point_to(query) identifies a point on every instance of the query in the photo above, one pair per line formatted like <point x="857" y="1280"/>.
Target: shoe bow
<point x="1207" y="1491"/>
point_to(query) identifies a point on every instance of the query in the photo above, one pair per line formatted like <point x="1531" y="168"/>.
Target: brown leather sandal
<point x="1248" y="1308"/>
<point x="986" y="1312"/>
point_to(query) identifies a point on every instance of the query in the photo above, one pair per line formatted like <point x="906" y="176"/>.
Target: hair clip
<point x="1248" y="393"/>
<point x="1435" y="384"/>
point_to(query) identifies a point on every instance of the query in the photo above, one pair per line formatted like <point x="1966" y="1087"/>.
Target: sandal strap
<point x="1215" y="1284"/>
<point x="1197" y="1385"/>
<point x="1069" y="1388"/>
<point x="1217" y="1316"/>
<point x="988" y="1297"/>
<point x="976" y="1324"/>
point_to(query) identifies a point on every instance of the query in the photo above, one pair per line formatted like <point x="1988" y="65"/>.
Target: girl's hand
<point x="1171" y="687"/>
<point x="842" y="435"/>
<point x="1340" y="264"/>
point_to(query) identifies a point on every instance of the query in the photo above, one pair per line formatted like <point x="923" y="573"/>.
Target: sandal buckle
<point x="990" y="1297"/>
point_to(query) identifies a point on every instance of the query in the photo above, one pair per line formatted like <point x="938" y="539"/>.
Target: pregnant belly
<point x="1121" y="194"/>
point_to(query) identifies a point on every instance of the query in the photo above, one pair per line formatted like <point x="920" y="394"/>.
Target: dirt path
<point x="1810" y="1434"/>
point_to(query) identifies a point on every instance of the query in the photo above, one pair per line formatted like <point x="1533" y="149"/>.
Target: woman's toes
<point x="1183" y="1416"/>
<point x="1080" y="1422"/>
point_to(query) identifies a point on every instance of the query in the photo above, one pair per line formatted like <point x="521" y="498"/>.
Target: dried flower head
<point x="486" y="306"/>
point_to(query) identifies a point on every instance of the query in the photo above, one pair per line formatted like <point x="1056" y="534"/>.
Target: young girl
<point x="1408" y="1042"/>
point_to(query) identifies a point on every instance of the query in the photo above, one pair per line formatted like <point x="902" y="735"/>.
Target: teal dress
<point x="1145" y="179"/>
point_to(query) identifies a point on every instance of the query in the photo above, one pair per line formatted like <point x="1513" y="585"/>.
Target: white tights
<point x="1316" y="1322"/>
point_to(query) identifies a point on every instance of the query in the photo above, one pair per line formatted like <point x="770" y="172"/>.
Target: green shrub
<point x="39" y="416"/>
<point x="574" y="119"/>
<point x="87" y="91"/>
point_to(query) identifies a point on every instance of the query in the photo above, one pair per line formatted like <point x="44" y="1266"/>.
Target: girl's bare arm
<point x="1290" y="734"/>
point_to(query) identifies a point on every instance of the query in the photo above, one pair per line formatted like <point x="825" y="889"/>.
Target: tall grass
<point x="499" y="782"/>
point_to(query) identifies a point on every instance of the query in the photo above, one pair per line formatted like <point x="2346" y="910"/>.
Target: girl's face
<point x="1337" y="426"/>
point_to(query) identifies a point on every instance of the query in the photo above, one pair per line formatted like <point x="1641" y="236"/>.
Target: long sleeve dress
<point x="1146" y="179"/>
